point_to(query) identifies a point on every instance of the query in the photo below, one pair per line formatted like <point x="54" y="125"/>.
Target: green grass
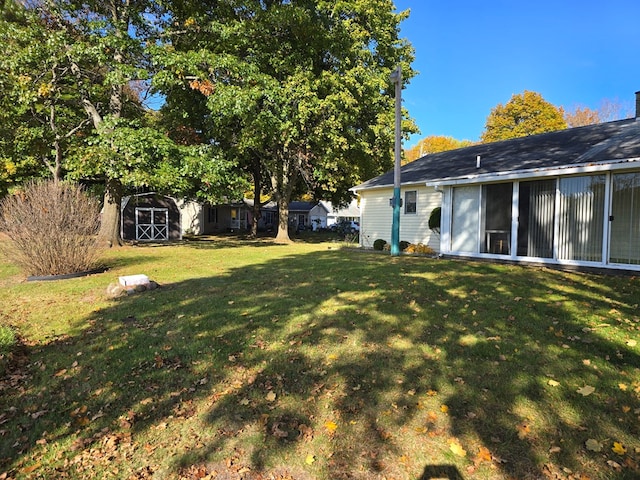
<point x="309" y="361"/>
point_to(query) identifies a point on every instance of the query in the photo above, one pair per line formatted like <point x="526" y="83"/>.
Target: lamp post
<point x="396" y="201"/>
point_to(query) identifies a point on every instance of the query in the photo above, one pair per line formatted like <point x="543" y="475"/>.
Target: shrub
<point x="379" y="244"/>
<point x="403" y="245"/>
<point x="421" y="249"/>
<point x="52" y="227"/>
<point x="435" y="219"/>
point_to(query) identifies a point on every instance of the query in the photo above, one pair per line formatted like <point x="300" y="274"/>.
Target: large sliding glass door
<point x="481" y="219"/>
<point x="496" y="218"/>
<point x="536" y="213"/>
<point x="581" y="218"/>
<point x="624" y="245"/>
<point x="465" y="225"/>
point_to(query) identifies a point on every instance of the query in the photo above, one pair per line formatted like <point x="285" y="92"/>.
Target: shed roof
<point x="603" y="143"/>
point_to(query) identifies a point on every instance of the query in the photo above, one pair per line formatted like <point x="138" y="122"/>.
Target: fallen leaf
<point x="444" y="408"/>
<point x="555" y="449"/>
<point x="331" y="426"/>
<point x="615" y="465"/>
<point x="593" y="445"/>
<point x="631" y="343"/>
<point x="244" y="402"/>
<point x="586" y="390"/>
<point x="271" y="396"/>
<point x="623" y="386"/>
<point x="484" y="455"/>
<point x="618" y="448"/>
<point x="553" y="383"/>
<point x="456" y="448"/>
<point x="310" y="459"/>
<point x="523" y="430"/>
<point x="31" y="468"/>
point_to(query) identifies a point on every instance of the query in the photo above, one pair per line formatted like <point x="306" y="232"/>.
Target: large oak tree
<point x="524" y="114"/>
<point x="297" y="90"/>
<point x="80" y="86"/>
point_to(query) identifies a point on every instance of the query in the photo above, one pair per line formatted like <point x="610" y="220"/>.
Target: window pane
<point x="410" y="202"/>
<point x="464" y="224"/>
<point x="625" y="226"/>
<point x="160" y="216"/>
<point x="497" y="199"/>
<point x="536" y="212"/>
<point x="581" y="218"/>
<point x="143" y="216"/>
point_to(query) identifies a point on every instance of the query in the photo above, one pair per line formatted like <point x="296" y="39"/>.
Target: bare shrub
<point x="52" y="227"/>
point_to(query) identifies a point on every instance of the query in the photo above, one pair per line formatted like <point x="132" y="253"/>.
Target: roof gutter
<point x="358" y="188"/>
<point x="534" y="173"/>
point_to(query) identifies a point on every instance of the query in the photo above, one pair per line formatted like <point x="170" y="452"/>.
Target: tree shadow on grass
<point x="339" y="364"/>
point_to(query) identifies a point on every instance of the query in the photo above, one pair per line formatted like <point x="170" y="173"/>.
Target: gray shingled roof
<point x="609" y="142"/>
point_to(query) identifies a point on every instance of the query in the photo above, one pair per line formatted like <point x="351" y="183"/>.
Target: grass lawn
<point x="255" y="360"/>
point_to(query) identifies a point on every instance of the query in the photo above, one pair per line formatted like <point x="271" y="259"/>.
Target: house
<point x="324" y="214"/>
<point x="299" y="215"/>
<point x="155" y="217"/>
<point x="206" y="219"/>
<point x="570" y="198"/>
<point x="150" y="217"/>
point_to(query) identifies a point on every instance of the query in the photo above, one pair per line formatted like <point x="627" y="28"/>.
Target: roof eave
<point x="604" y="166"/>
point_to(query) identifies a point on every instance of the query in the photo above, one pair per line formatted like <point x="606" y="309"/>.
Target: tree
<point x="39" y="118"/>
<point x="297" y="89"/>
<point x="434" y="144"/>
<point x="608" y="111"/>
<point x="100" y="62"/>
<point x="525" y="114"/>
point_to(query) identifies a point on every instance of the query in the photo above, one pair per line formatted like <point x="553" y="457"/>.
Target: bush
<point x="421" y="249"/>
<point x="403" y="245"/>
<point x="435" y="219"/>
<point x="52" y="227"/>
<point x="379" y="244"/>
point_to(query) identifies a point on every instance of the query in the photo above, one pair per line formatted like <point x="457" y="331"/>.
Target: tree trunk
<point x="109" y="233"/>
<point x="283" y="221"/>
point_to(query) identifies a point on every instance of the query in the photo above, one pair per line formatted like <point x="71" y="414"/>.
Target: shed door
<point x="152" y="223"/>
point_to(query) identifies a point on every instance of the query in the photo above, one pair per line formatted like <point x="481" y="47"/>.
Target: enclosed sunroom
<point x="589" y="218"/>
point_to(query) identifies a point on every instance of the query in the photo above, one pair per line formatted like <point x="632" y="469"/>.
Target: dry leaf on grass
<point x="456" y="448"/>
<point x="618" y="448"/>
<point x="586" y="390"/>
<point x="593" y="445"/>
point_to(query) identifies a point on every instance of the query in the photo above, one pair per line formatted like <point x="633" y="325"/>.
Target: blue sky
<point x="473" y="55"/>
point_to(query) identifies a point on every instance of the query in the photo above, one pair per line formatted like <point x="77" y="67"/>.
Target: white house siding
<point x="376" y="216"/>
<point x="192" y="217"/>
<point x="318" y="217"/>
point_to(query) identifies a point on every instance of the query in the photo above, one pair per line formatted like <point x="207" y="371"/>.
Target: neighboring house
<point x="299" y="215"/>
<point x="570" y="197"/>
<point x="324" y="214"/>
<point x="150" y="217"/>
<point x="206" y="219"/>
<point x="153" y="217"/>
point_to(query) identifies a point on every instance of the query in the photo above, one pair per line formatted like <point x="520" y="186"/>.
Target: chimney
<point x="638" y="105"/>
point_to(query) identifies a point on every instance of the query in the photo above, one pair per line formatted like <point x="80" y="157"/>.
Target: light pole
<point x="396" y="201"/>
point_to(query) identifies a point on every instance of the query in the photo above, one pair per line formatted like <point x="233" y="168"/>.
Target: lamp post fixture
<point x="396" y="201"/>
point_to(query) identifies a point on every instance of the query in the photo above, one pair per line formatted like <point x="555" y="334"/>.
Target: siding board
<point x="376" y="217"/>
